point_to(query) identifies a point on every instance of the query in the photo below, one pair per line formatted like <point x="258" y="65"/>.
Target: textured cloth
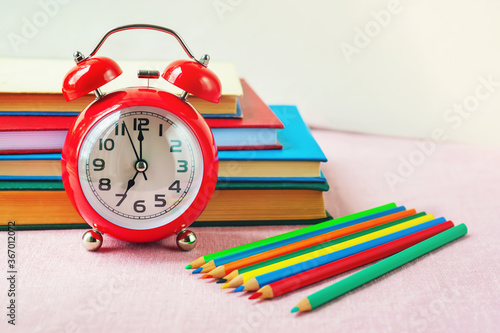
<point x="144" y="287"/>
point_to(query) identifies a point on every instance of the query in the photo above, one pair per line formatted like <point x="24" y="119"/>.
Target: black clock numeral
<point x="105" y="184"/>
<point x="140" y="124"/>
<point x="176" y="186"/>
<point x="98" y="164"/>
<point x="117" y="129"/>
<point x="107" y="144"/>
<point x="121" y="200"/>
<point x="161" y="199"/>
<point x="182" y="166"/>
<point x="139" y="206"/>
<point x="160" y="130"/>
<point x="175" y="146"/>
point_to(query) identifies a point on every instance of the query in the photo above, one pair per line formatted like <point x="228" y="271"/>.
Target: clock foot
<point x="186" y="240"/>
<point x="92" y="240"/>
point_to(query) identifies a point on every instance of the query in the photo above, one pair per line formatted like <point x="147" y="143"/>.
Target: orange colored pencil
<point x="223" y="270"/>
<point x="336" y="267"/>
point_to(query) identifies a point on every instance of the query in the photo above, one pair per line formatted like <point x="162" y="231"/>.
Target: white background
<point x="408" y="70"/>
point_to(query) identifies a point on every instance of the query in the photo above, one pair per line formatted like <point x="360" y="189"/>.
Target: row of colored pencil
<point x="277" y="265"/>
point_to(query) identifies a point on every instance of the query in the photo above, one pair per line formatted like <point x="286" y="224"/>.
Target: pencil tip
<point x="206" y="276"/>
<point x="188" y="266"/>
<point x="196" y="271"/>
<point x="225" y="286"/>
<point x="295" y="309"/>
<point x="240" y="288"/>
<point x="255" y="295"/>
<point x="222" y="281"/>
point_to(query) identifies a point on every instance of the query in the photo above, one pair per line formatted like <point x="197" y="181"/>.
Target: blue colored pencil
<point x="250" y="252"/>
<point x="258" y="282"/>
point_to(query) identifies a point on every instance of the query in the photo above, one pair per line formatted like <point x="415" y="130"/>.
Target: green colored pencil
<point x="242" y="270"/>
<point x="204" y="259"/>
<point x="374" y="271"/>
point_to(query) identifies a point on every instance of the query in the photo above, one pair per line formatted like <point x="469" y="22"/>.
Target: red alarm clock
<point x="140" y="164"/>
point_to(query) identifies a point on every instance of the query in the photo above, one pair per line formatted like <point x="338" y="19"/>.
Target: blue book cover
<point x="320" y="179"/>
<point x="31" y="157"/>
<point x="296" y="138"/>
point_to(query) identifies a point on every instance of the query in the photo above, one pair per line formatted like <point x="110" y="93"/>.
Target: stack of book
<point x="269" y="163"/>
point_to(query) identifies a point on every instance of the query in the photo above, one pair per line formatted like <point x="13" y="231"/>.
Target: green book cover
<point x="15" y="185"/>
<point x="195" y="224"/>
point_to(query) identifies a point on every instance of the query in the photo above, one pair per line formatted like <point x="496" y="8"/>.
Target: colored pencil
<point x="292" y="240"/>
<point x="259" y="281"/>
<point x="204" y="259"/>
<point x="243" y="275"/>
<point x="321" y="272"/>
<point x="296" y="246"/>
<point x="248" y="275"/>
<point x="353" y="241"/>
<point x="380" y="268"/>
<point x="242" y="270"/>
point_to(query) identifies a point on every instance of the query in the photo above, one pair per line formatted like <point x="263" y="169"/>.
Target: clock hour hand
<point x="140" y="138"/>
<point x="131" y="183"/>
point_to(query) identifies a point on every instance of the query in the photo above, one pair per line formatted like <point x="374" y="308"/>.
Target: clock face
<point x="140" y="167"/>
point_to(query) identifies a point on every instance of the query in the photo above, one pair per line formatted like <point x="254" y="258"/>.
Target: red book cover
<point x="35" y="123"/>
<point x="256" y="114"/>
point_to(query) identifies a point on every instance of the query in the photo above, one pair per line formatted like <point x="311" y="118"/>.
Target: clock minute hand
<point x="131" y="142"/>
<point x="140" y="138"/>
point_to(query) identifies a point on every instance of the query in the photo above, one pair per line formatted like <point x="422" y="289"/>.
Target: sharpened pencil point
<point x="231" y="275"/>
<point x="295" y="309"/>
<point x="208" y="267"/>
<point x="255" y="295"/>
<point x="240" y="288"/>
<point x="198" y="262"/>
<point x="196" y="271"/>
<point x="207" y="276"/>
<point x="222" y="281"/>
<point x="218" y="272"/>
<point x="225" y="286"/>
<point x="189" y="266"/>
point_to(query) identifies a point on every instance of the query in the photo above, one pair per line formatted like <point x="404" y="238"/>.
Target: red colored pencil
<point x="323" y="272"/>
<point x="225" y="269"/>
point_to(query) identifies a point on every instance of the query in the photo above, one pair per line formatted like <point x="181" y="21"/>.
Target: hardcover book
<point x="42" y="92"/>
<point x="47" y="203"/>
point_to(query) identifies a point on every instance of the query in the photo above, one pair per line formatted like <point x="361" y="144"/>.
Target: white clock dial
<point x="140" y="167"/>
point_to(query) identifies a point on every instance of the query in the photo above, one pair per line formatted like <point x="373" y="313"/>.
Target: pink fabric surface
<point x="144" y="288"/>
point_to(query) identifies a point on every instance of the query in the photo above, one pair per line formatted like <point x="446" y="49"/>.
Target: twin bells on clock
<point x="92" y="73"/>
<point x="140" y="163"/>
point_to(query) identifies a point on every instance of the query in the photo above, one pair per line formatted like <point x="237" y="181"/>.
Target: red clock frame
<point x="138" y="96"/>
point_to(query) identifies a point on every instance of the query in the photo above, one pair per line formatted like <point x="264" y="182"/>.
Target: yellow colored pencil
<point x="245" y="277"/>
